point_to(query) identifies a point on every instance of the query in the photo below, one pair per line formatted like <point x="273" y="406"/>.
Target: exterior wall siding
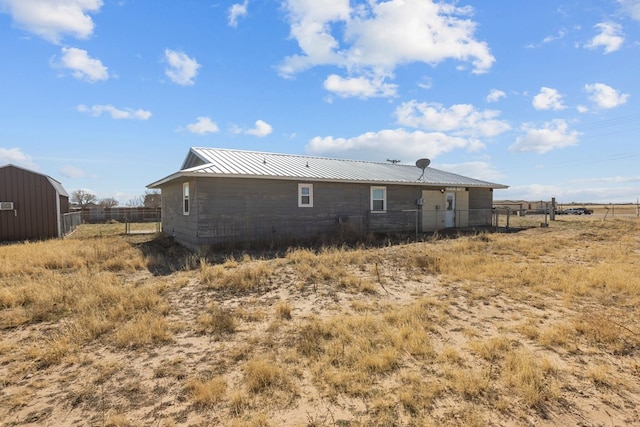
<point x="236" y="210"/>
<point x="239" y="210"/>
<point x="480" y="198"/>
<point x="462" y="209"/>
<point x="36" y="205"/>
<point x="182" y="227"/>
<point x="433" y="209"/>
<point x="480" y="206"/>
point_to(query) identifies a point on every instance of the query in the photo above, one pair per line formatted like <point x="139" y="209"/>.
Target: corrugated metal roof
<point x="54" y="183"/>
<point x="59" y="188"/>
<point x="239" y="163"/>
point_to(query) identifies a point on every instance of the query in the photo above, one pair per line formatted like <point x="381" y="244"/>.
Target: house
<point x="519" y="207"/>
<point x="523" y="207"/>
<point x="32" y="205"/>
<point x="223" y="195"/>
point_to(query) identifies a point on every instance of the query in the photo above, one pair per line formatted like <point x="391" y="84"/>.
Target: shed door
<point x="450" y="210"/>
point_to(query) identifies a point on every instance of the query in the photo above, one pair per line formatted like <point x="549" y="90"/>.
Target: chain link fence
<point x="133" y="219"/>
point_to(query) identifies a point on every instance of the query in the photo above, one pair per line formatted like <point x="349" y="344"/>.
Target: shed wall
<point x="35" y="215"/>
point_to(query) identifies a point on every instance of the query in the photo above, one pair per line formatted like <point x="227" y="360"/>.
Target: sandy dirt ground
<point x="102" y="385"/>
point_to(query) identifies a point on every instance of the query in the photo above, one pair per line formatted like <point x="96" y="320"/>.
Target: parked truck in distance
<point x="577" y="211"/>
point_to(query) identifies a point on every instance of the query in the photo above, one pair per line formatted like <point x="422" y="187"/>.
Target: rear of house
<point x="222" y="196"/>
<point x="31" y="205"/>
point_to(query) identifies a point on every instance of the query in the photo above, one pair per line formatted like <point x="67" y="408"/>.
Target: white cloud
<point x="532" y="192"/>
<point x="51" y="19"/>
<point x="202" y="126"/>
<point x="115" y="113"/>
<point x="15" y="156"/>
<point x="182" y="69"/>
<point x="609" y="180"/>
<point x="548" y="99"/>
<point x="459" y="119"/>
<point x="495" y="95"/>
<point x="82" y="66"/>
<point x="478" y="170"/>
<point x="425" y="83"/>
<point x="236" y="11"/>
<point x="548" y="39"/>
<point x="610" y="37"/>
<point x="361" y="87"/>
<point x="631" y="8"/>
<point x="262" y="129"/>
<point x="397" y="143"/>
<point x="373" y="38"/>
<point x="552" y="136"/>
<point x="72" y="172"/>
<point x="570" y="193"/>
<point x="605" y="96"/>
<point x="561" y="34"/>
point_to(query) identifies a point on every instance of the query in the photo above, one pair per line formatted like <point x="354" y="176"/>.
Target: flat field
<point x="539" y="327"/>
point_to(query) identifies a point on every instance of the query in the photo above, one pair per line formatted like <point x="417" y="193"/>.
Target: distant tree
<point x="136" y="202"/>
<point x="109" y="202"/>
<point x="152" y="199"/>
<point x="82" y="198"/>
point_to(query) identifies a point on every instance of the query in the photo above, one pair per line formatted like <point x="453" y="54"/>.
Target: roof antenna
<point x="422" y="164"/>
<point x="393" y="161"/>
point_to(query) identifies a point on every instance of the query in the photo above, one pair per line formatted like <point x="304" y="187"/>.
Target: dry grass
<point x="206" y="393"/>
<point x="217" y="320"/>
<point x="537" y="327"/>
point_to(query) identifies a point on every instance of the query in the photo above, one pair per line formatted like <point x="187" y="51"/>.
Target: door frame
<point x="450" y="209"/>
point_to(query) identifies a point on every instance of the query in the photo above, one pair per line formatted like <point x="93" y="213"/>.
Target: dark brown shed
<point x="31" y="205"/>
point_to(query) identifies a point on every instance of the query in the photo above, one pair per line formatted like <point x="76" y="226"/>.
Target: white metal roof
<point x="219" y="162"/>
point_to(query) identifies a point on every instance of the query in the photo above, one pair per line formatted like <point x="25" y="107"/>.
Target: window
<point x="305" y="195"/>
<point x="450" y="199"/>
<point x="378" y="199"/>
<point x="185" y="198"/>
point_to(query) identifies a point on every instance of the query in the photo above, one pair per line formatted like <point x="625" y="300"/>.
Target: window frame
<point x="384" y="199"/>
<point x="186" y="198"/>
<point x="301" y="186"/>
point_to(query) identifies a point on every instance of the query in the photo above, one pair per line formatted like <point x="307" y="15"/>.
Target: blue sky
<point x="109" y="95"/>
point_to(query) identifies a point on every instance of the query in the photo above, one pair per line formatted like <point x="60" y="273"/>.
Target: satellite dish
<point x="422" y="164"/>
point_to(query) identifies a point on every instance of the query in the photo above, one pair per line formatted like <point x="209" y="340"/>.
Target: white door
<point x="450" y="210"/>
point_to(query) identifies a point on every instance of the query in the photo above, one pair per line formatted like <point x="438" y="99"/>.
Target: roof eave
<point x="195" y="174"/>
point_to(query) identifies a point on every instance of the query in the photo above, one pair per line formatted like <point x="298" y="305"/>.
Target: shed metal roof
<point x="54" y="183"/>
<point x="219" y="162"/>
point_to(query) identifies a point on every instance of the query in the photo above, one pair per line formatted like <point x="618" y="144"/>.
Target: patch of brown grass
<point x="207" y="392"/>
<point x="234" y="276"/>
<point x="473" y="330"/>
<point x="525" y="374"/>
<point x="145" y="329"/>
<point x="263" y="374"/>
<point x="217" y="320"/>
